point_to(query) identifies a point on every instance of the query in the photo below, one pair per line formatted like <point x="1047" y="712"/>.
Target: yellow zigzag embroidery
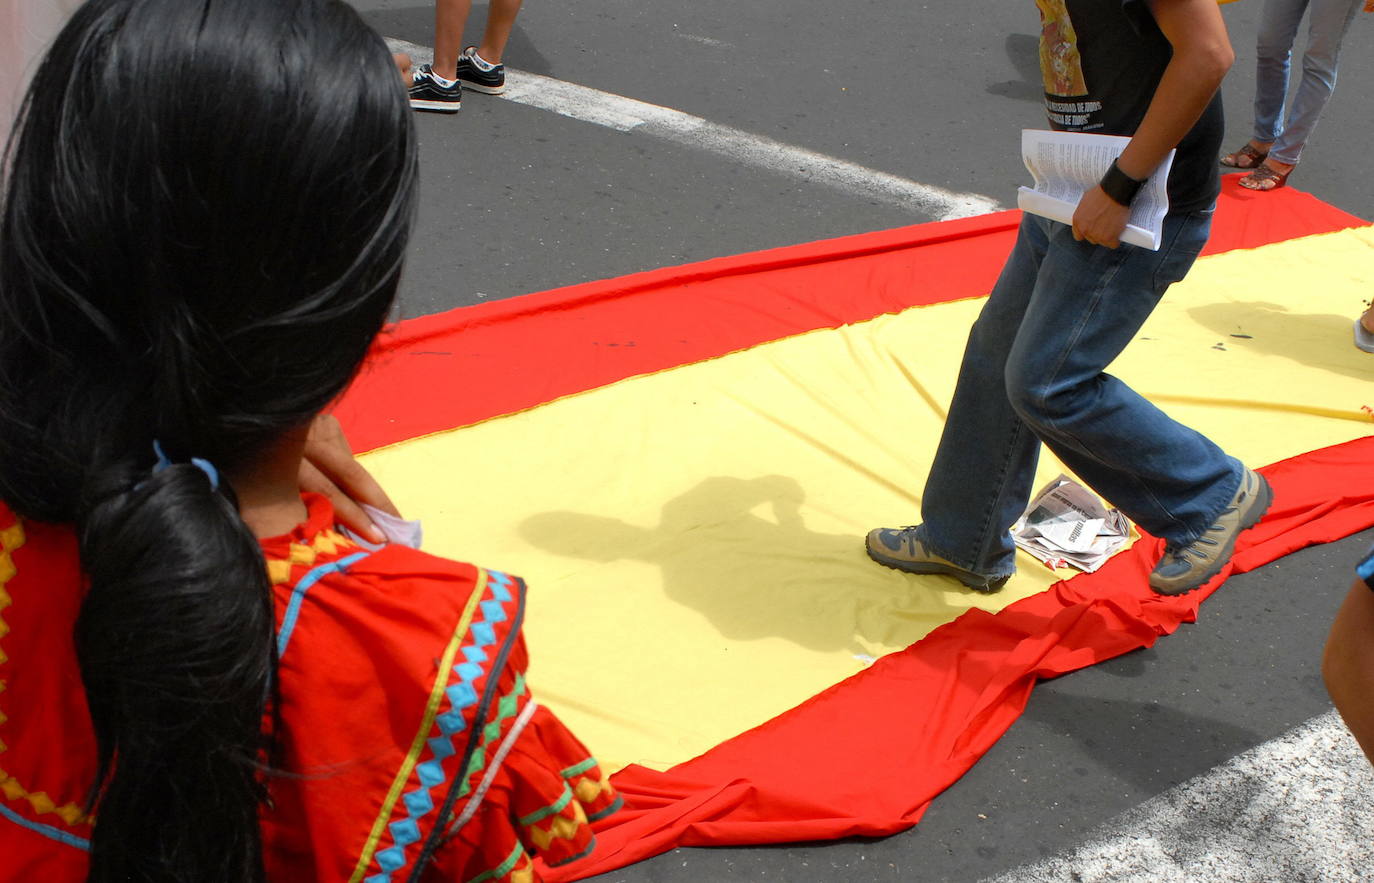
<point x="587" y="790"/>
<point x="562" y="828"/>
<point x="326" y="542"/>
<point x="11" y="538"/>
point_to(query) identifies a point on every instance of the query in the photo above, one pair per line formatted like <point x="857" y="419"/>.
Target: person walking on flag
<point x="1069" y="300"/>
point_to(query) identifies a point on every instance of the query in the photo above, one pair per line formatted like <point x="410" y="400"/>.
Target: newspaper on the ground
<point x="1065" y="165"/>
<point x="1066" y="525"/>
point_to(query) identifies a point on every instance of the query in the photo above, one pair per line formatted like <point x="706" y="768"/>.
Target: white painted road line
<point x="1298" y="809"/>
<point x="629" y="115"/>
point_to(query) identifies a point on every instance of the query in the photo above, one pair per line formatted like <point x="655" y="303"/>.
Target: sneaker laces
<point x="1181" y="553"/>
<point x="908" y="535"/>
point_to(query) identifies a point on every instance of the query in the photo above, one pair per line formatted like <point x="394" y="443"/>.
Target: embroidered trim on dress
<point x="11" y="538"/>
<point x="431" y="712"/>
<point x="502" y="869"/>
<point x="506" y="745"/>
<point x="326" y="542"/>
<point x="293" y="607"/>
<point x="46" y="830"/>
<point x="473" y="753"/>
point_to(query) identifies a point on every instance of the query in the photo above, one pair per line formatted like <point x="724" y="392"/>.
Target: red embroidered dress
<point x="395" y="666"/>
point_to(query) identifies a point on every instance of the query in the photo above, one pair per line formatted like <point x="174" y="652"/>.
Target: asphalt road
<point x="520" y="198"/>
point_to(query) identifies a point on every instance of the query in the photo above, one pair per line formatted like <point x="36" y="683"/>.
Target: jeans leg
<point x="980" y="480"/>
<point x="1089" y="302"/>
<point x="1328" y="21"/>
<point x="1273" y="53"/>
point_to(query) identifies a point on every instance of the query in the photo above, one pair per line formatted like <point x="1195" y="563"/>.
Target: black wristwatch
<point x="1120" y="186"/>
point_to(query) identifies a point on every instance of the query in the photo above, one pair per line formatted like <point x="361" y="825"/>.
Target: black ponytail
<point x="175" y="641"/>
<point x="204" y="218"/>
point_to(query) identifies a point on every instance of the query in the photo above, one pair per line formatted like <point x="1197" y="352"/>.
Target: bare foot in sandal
<point x="1271" y="175"/>
<point x="1364" y="331"/>
<point x="1249" y="156"/>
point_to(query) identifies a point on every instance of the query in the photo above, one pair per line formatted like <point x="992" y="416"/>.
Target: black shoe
<point x="480" y="76"/>
<point x="427" y="93"/>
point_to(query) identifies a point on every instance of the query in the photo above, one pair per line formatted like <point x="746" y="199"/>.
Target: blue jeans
<point x="1061" y="311"/>
<point x="1329" y="20"/>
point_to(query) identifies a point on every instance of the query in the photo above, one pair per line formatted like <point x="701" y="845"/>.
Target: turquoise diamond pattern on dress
<point x="500" y="585"/>
<point x="462" y="695"/>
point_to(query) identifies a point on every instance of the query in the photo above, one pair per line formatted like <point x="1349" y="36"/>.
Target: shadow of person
<point x="1319" y="340"/>
<point x="1147" y="744"/>
<point x="1023" y="51"/>
<point x="738" y="551"/>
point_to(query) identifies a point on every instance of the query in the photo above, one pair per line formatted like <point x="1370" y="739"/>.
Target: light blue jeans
<point x="1061" y="311"/>
<point x="1327" y="24"/>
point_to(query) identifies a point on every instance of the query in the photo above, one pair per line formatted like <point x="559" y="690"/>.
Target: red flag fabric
<point x="867" y="755"/>
<point x="466" y="365"/>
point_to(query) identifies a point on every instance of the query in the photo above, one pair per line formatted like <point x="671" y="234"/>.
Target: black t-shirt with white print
<point x="1101" y="61"/>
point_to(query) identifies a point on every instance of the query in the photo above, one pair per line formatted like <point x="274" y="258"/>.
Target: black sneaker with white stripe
<point x="479" y="74"/>
<point x="427" y="93"/>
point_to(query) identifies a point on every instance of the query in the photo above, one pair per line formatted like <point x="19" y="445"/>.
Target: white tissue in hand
<point x="397" y="530"/>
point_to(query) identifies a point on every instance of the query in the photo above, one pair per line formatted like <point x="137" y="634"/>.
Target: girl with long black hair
<point x="206" y="206"/>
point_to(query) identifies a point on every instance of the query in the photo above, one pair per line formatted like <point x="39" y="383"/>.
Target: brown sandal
<point x="1232" y="160"/>
<point x="1261" y="176"/>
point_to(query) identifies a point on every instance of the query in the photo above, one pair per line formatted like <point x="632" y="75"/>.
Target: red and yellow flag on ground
<point x="683" y="464"/>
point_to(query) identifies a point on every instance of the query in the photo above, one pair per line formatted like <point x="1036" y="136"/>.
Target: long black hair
<point x="204" y="216"/>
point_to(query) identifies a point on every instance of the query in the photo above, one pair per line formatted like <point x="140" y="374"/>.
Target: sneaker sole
<point x="436" y="106"/>
<point x="478" y="87"/>
<point x="933" y="570"/>
<point x="1263" y="500"/>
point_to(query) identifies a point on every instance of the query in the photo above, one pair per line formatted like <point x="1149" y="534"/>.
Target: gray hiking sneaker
<point x="901" y="549"/>
<point x="1183" y="569"/>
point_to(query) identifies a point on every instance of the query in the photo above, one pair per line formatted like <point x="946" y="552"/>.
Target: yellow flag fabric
<point x="693" y="538"/>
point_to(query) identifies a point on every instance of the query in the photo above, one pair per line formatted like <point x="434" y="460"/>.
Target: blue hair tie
<point x="199" y="462"/>
<point x="162" y="461"/>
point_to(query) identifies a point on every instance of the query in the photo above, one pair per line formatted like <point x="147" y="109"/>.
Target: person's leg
<point x="1278" y="29"/>
<point x="500" y="20"/>
<point x="980" y="480"/>
<point x="1328" y="21"/>
<point x="1364" y="331"/>
<point x="1088" y="305"/>
<point x="435" y="86"/>
<point x="450" y="17"/>
<point x="1348" y="664"/>
<point x="480" y="67"/>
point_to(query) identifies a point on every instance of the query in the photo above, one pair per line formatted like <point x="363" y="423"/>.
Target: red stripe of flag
<point x="469" y="364"/>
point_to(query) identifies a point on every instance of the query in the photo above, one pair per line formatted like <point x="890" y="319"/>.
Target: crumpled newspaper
<point x="1066" y="525"/>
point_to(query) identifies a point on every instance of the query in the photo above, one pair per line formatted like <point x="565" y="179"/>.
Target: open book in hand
<point x="1066" y="165"/>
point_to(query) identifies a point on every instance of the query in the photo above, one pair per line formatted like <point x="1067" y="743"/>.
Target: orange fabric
<point x="47" y="746"/>
<point x="385" y="659"/>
